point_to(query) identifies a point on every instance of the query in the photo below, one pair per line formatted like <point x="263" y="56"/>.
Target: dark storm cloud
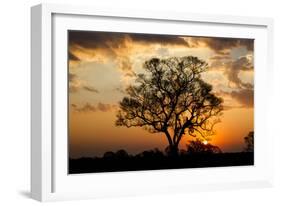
<point x="114" y="40"/>
<point x="113" y="44"/>
<point x="111" y="40"/>
<point x="161" y="39"/>
<point x="222" y="45"/>
<point x="93" y="40"/>
<point x="248" y="43"/>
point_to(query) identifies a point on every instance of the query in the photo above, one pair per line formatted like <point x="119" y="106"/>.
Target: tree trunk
<point x="173" y="151"/>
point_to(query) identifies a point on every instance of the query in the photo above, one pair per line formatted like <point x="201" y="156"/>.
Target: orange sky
<point x="102" y="65"/>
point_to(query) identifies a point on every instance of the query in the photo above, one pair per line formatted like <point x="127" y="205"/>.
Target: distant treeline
<point x="155" y="159"/>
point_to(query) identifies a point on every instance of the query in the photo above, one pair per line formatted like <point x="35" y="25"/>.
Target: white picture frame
<point x="49" y="178"/>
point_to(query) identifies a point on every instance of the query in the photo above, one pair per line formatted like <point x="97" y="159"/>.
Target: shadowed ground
<point x="155" y="160"/>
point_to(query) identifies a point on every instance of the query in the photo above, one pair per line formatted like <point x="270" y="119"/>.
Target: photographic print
<point x="156" y="101"/>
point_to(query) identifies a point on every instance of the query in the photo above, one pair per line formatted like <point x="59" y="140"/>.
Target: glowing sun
<point x="205" y="142"/>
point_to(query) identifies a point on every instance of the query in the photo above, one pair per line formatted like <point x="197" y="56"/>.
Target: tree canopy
<point x="249" y="141"/>
<point x="170" y="97"/>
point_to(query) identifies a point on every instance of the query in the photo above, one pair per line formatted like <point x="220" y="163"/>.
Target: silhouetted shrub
<point x="197" y="146"/>
<point x="108" y="155"/>
<point x="121" y="154"/>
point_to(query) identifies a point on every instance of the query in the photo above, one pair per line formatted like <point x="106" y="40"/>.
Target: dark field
<point x="155" y="160"/>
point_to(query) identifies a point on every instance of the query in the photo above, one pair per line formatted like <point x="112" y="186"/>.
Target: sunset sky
<point x="103" y="64"/>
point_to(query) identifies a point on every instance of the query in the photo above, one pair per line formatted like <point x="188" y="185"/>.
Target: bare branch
<point x="171" y="98"/>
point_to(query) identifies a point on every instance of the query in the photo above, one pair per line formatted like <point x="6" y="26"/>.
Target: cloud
<point x="125" y="65"/>
<point x="120" y="89"/>
<point x="112" y="42"/>
<point x="120" y="47"/>
<point x="72" y="77"/>
<point x="232" y="68"/>
<point x="86" y="108"/>
<point x="220" y="45"/>
<point x="159" y="39"/>
<point x="240" y="91"/>
<point x="109" y="40"/>
<point x="93" y="39"/>
<point x="243" y="63"/>
<point x="163" y="52"/>
<point x="99" y="46"/>
<point x="244" y="96"/>
<point x="90" y="89"/>
<point x="102" y="107"/>
<point x="75" y="84"/>
<point x="74" y="105"/>
<point x="72" y="57"/>
<point x="220" y="57"/>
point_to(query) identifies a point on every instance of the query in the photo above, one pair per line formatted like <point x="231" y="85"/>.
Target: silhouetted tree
<point x="151" y="153"/>
<point x="197" y="146"/>
<point x="108" y="155"/>
<point x="249" y="141"/>
<point x="122" y="154"/>
<point x="171" y="98"/>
